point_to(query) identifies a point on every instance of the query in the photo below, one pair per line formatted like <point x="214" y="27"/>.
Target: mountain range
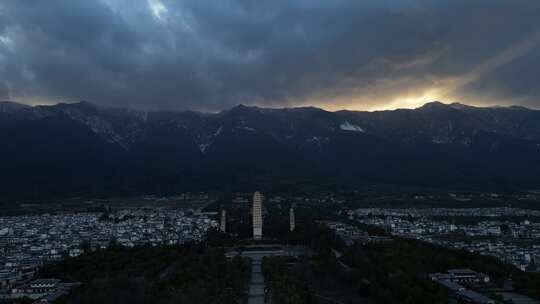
<point x="86" y="149"/>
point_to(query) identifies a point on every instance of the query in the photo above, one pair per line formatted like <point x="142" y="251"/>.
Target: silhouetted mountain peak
<point x="435" y="105"/>
<point x="460" y="106"/>
<point x="84" y="103"/>
<point x="11" y="105"/>
<point x="81" y="105"/>
<point x="155" y="150"/>
<point x="520" y="108"/>
<point x="243" y="108"/>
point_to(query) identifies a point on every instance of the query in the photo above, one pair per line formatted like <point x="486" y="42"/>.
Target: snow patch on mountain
<point x="205" y="141"/>
<point x="318" y="140"/>
<point x="204" y="146"/>
<point x="245" y="128"/>
<point x="98" y="125"/>
<point x="443" y="140"/>
<point x="218" y="131"/>
<point x="104" y="129"/>
<point x="347" y="126"/>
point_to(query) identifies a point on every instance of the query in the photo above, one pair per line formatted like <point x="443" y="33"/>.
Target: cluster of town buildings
<point x="455" y="280"/>
<point x="245" y="200"/>
<point x="462" y="284"/>
<point x="350" y="234"/>
<point x="510" y="234"/>
<point x="26" y="242"/>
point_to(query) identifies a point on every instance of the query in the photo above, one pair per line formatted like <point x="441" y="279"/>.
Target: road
<point x="256" y="285"/>
<point x="338" y="255"/>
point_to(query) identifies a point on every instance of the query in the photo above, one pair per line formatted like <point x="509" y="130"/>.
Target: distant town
<point x="509" y="234"/>
<point x="29" y="242"/>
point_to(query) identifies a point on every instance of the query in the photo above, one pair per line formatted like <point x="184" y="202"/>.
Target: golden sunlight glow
<point x="442" y="90"/>
<point x="411" y="101"/>
<point x="408" y="101"/>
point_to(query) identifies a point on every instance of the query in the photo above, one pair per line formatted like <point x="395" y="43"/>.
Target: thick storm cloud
<point x="210" y="55"/>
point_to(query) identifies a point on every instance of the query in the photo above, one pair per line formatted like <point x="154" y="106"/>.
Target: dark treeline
<point x="394" y="272"/>
<point x="190" y="274"/>
<point x="285" y="287"/>
<point x="314" y="278"/>
<point x="397" y="272"/>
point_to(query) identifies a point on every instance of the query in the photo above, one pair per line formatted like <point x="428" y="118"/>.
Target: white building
<point x="223" y="222"/>
<point x="257" y="215"/>
<point x="292" y="224"/>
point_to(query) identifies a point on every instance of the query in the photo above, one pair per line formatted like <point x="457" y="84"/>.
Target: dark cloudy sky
<point x="212" y="54"/>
